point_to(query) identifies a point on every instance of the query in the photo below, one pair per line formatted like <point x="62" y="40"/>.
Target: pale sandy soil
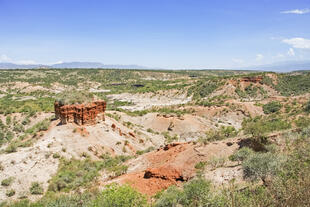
<point x="36" y="163"/>
<point x="149" y="100"/>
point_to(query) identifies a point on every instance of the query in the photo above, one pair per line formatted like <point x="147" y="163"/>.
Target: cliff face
<point x="80" y="114"/>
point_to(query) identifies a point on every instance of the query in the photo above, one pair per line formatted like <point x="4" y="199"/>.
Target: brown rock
<point x="254" y="79"/>
<point x="80" y="114"/>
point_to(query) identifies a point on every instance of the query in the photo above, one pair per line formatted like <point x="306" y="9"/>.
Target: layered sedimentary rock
<point x="254" y="79"/>
<point x="80" y="114"/>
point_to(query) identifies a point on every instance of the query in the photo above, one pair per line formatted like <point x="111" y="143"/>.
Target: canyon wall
<point x="80" y="114"/>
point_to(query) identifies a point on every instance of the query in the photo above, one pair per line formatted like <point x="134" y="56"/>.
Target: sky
<point x="174" y="34"/>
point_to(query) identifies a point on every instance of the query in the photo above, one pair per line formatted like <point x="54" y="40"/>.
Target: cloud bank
<point x="296" y="11"/>
<point x="298" y="42"/>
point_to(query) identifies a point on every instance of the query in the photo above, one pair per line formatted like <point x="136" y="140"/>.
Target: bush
<point x="303" y="122"/>
<point x="261" y="165"/>
<point x="10" y="193"/>
<point x="241" y="154"/>
<point x="56" y="200"/>
<point x="7" y="182"/>
<point x="272" y="107"/>
<point x="11" y="148"/>
<point x="258" y="127"/>
<point x="307" y="107"/>
<point x="169" y="198"/>
<point x="74" y="97"/>
<point x="36" y="188"/>
<point x="73" y="173"/>
<point x="120" y="196"/>
<point x="196" y="193"/>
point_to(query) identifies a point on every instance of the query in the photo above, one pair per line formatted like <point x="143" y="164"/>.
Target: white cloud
<point x="239" y="61"/>
<point x="259" y="57"/>
<point x="279" y="55"/>
<point x="4" y="58"/>
<point x="298" y="42"/>
<point x="296" y="11"/>
<point x="26" y="62"/>
<point x="291" y="52"/>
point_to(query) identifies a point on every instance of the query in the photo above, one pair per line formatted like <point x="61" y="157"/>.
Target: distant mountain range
<point x="286" y="66"/>
<point x="69" y="65"/>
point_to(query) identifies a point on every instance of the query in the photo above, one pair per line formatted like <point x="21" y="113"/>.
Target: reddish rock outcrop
<point x="254" y="79"/>
<point x="80" y="114"/>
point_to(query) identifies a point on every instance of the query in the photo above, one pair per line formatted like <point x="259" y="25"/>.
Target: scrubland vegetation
<point x="273" y="150"/>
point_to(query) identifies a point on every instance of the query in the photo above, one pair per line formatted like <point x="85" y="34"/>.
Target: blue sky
<point x="155" y="33"/>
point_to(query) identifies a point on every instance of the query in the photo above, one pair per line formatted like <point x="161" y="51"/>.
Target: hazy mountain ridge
<point x="285" y="66"/>
<point x="69" y="65"/>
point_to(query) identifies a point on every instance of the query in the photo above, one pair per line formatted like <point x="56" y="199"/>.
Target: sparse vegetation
<point x="272" y="107"/>
<point x="36" y="188"/>
<point x="7" y="181"/>
<point x="274" y="147"/>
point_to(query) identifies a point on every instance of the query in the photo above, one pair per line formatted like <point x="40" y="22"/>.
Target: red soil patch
<point x="173" y="164"/>
<point x="154" y="180"/>
<point x="165" y="170"/>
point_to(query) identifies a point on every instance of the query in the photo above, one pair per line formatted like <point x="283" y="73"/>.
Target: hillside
<point x="166" y="138"/>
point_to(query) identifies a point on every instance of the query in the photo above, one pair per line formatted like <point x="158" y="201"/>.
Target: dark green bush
<point x="307" y="107"/>
<point x="7" y="182"/>
<point x="272" y="107"/>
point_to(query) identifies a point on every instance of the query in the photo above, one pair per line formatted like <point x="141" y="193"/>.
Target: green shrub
<point x="261" y="165"/>
<point x="73" y="173"/>
<point x="11" y="148"/>
<point x="197" y="193"/>
<point x="10" y="193"/>
<point x="303" y="122"/>
<point x="259" y="126"/>
<point x="149" y="149"/>
<point x="216" y="162"/>
<point x="120" y="196"/>
<point x="55" y="200"/>
<point x="74" y="97"/>
<point x="56" y="155"/>
<point x="7" y="182"/>
<point x="272" y="107"/>
<point x="169" y="198"/>
<point x="194" y="193"/>
<point x="307" y="107"/>
<point x="36" y="188"/>
<point x="241" y="154"/>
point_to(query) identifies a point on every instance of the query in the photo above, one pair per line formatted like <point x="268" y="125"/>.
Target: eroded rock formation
<point x="253" y="79"/>
<point x="80" y="114"/>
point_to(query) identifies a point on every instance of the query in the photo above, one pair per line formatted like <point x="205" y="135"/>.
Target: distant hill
<point x="69" y="65"/>
<point x="20" y="66"/>
<point x="286" y="66"/>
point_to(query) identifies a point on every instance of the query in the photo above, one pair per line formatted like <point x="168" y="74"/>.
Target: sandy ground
<point x="149" y="100"/>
